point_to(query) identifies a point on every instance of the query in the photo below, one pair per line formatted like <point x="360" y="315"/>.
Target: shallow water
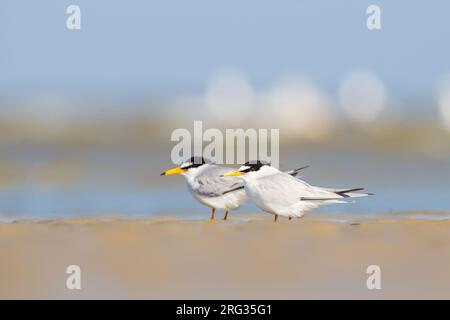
<point x="51" y="182"/>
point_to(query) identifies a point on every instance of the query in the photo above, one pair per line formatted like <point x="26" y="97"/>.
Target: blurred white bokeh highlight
<point x="229" y="97"/>
<point x="444" y="101"/>
<point x="300" y="109"/>
<point x="363" y="96"/>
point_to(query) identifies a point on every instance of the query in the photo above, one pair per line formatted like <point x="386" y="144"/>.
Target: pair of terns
<point x="273" y="191"/>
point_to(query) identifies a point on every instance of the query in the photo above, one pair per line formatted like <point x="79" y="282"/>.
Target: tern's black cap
<point x="255" y="165"/>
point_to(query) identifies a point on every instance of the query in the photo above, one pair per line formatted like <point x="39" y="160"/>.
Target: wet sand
<point x="245" y="257"/>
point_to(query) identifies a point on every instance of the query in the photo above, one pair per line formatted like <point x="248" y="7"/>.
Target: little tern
<point x="279" y="193"/>
<point x="207" y="184"/>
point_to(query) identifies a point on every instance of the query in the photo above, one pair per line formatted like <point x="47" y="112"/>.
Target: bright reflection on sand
<point x="362" y="95"/>
<point x="300" y="108"/>
<point x="229" y="96"/>
<point x="444" y="101"/>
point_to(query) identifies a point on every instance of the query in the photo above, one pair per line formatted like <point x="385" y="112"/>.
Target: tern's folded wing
<point x="211" y="183"/>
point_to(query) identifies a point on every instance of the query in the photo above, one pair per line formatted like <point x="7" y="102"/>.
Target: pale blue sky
<point x="158" y="48"/>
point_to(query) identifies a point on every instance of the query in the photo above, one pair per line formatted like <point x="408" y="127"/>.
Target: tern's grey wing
<point x="285" y="189"/>
<point x="211" y="182"/>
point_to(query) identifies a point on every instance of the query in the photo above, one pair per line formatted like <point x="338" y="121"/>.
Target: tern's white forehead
<point x="186" y="164"/>
<point x="244" y="168"/>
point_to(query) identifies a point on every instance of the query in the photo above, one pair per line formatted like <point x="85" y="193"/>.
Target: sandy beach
<point x="245" y="257"/>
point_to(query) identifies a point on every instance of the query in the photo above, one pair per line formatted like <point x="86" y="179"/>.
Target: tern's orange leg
<point x="275" y="219"/>
<point x="213" y="211"/>
<point x="226" y="215"/>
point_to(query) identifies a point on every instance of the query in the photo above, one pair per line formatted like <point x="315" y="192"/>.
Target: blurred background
<point x="86" y="115"/>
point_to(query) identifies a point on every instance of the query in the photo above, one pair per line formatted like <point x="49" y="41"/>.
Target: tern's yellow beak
<point x="173" y="171"/>
<point x="233" y="174"/>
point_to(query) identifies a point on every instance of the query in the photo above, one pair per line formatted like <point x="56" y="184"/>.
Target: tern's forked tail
<point x="352" y="193"/>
